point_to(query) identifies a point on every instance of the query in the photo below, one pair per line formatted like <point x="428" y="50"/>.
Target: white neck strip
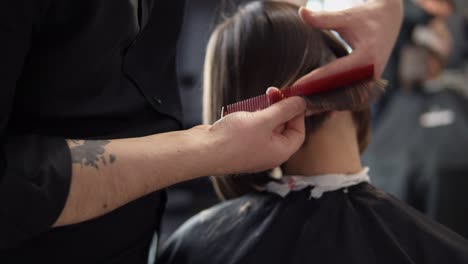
<point x="320" y="183"/>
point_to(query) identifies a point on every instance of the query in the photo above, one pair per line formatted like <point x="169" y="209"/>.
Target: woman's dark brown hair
<point x="265" y="44"/>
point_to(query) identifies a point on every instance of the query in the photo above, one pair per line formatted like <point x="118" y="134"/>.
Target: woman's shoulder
<point x="358" y="221"/>
<point x="389" y="219"/>
<point x="217" y="229"/>
<point x="231" y="211"/>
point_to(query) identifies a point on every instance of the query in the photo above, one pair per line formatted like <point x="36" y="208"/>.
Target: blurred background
<point x="419" y="145"/>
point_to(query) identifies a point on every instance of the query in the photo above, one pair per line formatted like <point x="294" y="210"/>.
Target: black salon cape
<point x="80" y="69"/>
<point x="427" y="167"/>
<point x="363" y="225"/>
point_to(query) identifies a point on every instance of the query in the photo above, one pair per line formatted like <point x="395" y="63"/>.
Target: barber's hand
<point x="370" y="28"/>
<point x="252" y="142"/>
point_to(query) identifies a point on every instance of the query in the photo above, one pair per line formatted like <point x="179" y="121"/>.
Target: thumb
<point x="283" y="111"/>
<point x="323" y="19"/>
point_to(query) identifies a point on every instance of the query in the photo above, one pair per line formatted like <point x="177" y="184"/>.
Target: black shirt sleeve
<point x="35" y="170"/>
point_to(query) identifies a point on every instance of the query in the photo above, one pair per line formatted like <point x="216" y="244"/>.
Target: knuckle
<point x="298" y="105"/>
<point x="240" y="117"/>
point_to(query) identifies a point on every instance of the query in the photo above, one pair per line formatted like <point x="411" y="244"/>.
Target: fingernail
<point x="309" y="113"/>
<point x="270" y="89"/>
<point x="305" y="9"/>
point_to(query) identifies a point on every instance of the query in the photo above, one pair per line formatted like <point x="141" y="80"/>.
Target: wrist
<point x="208" y="150"/>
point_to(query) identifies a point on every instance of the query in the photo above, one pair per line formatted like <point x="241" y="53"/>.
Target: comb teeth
<point x="255" y="103"/>
<point x="250" y="105"/>
<point x="321" y="92"/>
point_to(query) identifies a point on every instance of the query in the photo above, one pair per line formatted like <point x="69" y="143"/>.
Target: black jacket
<point x="84" y="69"/>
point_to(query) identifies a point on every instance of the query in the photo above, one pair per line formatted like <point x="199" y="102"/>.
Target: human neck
<point x="332" y="149"/>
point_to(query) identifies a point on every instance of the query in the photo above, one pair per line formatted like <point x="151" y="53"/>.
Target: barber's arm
<point x="109" y="174"/>
<point x="51" y="181"/>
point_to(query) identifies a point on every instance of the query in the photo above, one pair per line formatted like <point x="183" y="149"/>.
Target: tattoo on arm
<point x="91" y="153"/>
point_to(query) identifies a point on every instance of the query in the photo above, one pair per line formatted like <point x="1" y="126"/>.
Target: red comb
<point x="325" y="84"/>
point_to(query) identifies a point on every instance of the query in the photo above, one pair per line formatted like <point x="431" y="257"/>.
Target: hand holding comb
<point x="360" y="77"/>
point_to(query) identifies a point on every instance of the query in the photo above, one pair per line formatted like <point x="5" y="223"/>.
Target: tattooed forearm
<point x="91" y="153"/>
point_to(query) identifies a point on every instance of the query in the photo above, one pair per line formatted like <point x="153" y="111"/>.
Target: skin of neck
<point x="331" y="149"/>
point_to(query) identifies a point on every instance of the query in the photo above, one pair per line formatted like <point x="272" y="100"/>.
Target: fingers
<point x="323" y="19"/>
<point x="295" y="132"/>
<point x="283" y="111"/>
<point x="349" y="24"/>
<point x="346" y="63"/>
<point x="271" y="90"/>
